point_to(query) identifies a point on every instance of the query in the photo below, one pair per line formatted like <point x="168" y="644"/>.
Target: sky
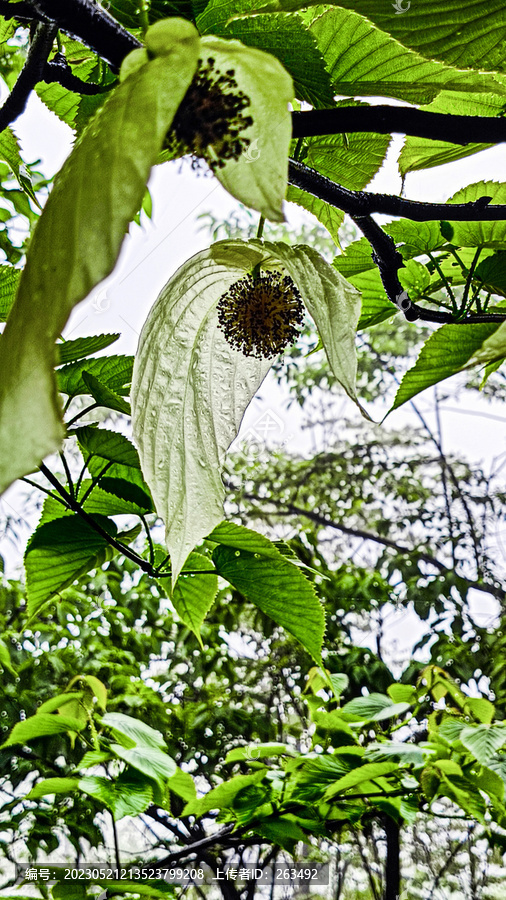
<point x="153" y="252"/>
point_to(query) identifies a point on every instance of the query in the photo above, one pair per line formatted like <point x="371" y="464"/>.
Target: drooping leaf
<point x="330" y="217"/>
<point x="104" y="396"/>
<point x="259" y="751"/>
<point x="193" y="595"/>
<point x="190" y="387"/>
<point x="78" y="239"/>
<point x="279" y="589"/>
<point x="285" y="37"/>
<point x="58" y="552"/>
<point x="53" y="786"/>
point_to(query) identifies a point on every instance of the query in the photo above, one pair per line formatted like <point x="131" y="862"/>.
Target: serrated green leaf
<point x="70" y="351"/>
<point x="104" y="396"/>
<point x="9" y="280"/>
<point x="182" y="784"/>
<point x="53" y="786"/>
<point x="97" y="192"/>
<point x="108" y="445"/>
<point x="351" y="160"/>
<point x="479" y="234"/>
<point x="330" y="217"/>
<point x="446" y="352"/>
<point x="366" y="708"/>
<point x="59" y="552"/>
<point x="285" y="37"/>
<point x="364" y="61"/>
<point x="193" y="595"/>
<point x="127" y="795"/>
<point x="279" y="589"/>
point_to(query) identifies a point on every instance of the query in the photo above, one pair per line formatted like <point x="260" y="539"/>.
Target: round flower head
<point x="259" y="315"/>
<point x="209" y="121"/>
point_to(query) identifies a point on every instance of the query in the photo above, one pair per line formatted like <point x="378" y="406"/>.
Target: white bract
<point x="191" y="388"/>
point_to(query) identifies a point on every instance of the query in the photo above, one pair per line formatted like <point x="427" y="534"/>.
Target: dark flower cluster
<point x="259" y="315"/>
<point x="210" y="119"/>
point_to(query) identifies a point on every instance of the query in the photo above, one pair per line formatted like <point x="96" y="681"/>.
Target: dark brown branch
<point x="384" y="119"/>
<point x="363" y="203"/>
<point x="92" y="25"/>
<point x="23" y="11"/>
<point x="30" y="75"/>
<point x="58" y="70"/>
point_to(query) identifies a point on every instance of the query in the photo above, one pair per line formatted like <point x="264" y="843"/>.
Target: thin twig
<point x="30" y="74"/>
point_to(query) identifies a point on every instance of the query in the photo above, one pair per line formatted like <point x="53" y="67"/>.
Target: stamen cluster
<point x="259" y="315"/>
<point x="209" y="121"/>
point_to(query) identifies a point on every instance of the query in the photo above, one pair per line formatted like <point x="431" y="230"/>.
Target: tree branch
<point x="384" y="119"/>
<point x="363" y="203"/>
<point x="291" y="509"/>
<point x="92" y="25"/>
<point x="30" y="74"/>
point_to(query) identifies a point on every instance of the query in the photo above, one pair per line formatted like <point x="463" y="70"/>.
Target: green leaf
<point x="279" y="589"/>
<point x="402" y="693"/>
<point x="492" y="273"/>
<point x="104" y="396"/>
<point x="53" y="786"/>
<point x="330" y="217"/>
<point x="222" y="796"/>
<point x="108" y="445"/>
<point x="58" y="553"/>
<point x="479" y="234"/>
<point x="365" y="773"/>
<point x="446" y="352"/>
<point x="182" y="784"/>
<point x="259" y="751"/>
<point x="366" y="708"/>
<point x="193" y="595"/>
<point x="78" y="239"/>
<point x="410" y="754"/>
<point x="70" y="351"/>
<point x="127" y="795"/>
<point x="5" y="658"/>
<point x="482" y="709"/>
<point x="230" y="534"/>
<point x="41" y="726"/>
<point x="150" y="761"/>
<point x="115" y="372"/>
<point x="352" y="159"/>
<point x="364" y="61"/>
<point x="471" y="33"/>
<point x="280" y="832"/>
<point x="421" y="153"/>
<point x="285" y="37"/>
<point x="9" y="280"/>
<point x="132" y="732"/>
<point x="55" y="702"/>
<point x="483" y="741"/>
